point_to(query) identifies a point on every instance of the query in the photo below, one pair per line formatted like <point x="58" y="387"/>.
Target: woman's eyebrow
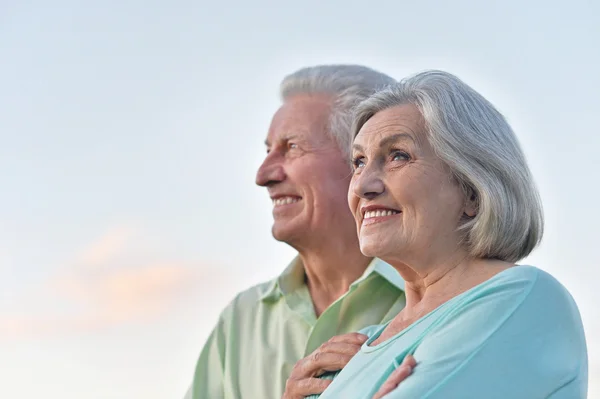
<point x="386" y="141"/>
<point x="395" y="137"/>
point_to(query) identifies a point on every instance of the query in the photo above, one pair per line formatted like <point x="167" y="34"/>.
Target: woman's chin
<point x="372" y="248"/>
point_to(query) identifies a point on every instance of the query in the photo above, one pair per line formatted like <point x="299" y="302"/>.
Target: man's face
<point x="305" y="172"/>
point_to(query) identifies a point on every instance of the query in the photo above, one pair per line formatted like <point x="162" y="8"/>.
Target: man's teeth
<point x="379" y="213"/>
<point x="285" y="200"/>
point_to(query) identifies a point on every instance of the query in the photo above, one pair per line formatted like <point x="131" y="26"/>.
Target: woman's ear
<point x="472" y="203"/>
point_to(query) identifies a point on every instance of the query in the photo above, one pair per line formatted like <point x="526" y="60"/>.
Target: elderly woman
<point x="442" y="192"/>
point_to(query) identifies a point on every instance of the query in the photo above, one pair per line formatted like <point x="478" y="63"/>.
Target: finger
<point x="409" y="360"/>
<point x="319" y="362"/>
<point x="395" y="378"/>
<point x="350" y="338"/>
<point x="308" y="386"/>
<point x="339" y="347"/>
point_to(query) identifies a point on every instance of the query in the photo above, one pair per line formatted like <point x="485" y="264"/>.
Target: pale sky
<point x="131" y="132"/>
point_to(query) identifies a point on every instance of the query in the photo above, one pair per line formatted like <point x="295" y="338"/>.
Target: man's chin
<point x="279" y="235"/>
<point x="284" y="233"/>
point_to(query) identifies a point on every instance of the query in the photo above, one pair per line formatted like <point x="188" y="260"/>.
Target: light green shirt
<point x="266" y="329"/>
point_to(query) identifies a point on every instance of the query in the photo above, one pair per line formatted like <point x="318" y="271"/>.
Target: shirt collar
<point x="293" y="277"/>
<point x="289" y="280"/>
<point x="384" y="270"/>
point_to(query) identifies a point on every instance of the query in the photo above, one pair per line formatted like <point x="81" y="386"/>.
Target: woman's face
<point x="405" y="202"/>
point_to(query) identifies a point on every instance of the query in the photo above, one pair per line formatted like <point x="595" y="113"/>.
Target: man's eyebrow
<point x="358" y="147"/>
<point x="283" y="138"/>
<point x="386" y="141"/>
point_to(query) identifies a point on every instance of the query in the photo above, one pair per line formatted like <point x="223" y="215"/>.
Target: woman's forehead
<point x="403" y="122"/>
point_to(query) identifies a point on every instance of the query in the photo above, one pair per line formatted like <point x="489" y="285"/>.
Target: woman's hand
<point x="333" y="355"/>
<point x="399" y="375"/>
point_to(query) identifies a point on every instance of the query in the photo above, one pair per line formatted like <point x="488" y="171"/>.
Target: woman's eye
<point x="292" y="146"/>
<point x="400" y="156"/>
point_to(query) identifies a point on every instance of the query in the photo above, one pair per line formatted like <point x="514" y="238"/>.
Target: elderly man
<point x="330" y="288"/>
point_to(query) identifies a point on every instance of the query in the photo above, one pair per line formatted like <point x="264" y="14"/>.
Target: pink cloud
<point x="107" y="247"/>
<point x="100" y="290"/>
<point x="105" y="299"/>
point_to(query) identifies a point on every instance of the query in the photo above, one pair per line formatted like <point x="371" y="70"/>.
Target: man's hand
<point x="397" y="376"/>
<point x="333" y="355"/>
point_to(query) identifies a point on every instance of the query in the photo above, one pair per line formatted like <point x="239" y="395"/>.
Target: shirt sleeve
<point x="519" y="339"/>
<point x="577" y="388"/>
<point x="210" y="370"/>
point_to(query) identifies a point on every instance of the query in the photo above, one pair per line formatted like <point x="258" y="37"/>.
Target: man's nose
<point x="271" y="171"/>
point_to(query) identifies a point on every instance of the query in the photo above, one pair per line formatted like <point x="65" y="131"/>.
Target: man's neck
<point x="330" y="270"/>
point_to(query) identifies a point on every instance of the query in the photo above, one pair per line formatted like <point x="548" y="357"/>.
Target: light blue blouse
<point x="517" y="335"/>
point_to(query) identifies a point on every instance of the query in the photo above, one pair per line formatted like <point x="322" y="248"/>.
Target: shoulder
<point x="517" y="285"/>
<point x="255" y="293"/>
<point x="522" y="307"/>
<point x="549" y="289"/>
<point x="246" y="302"/>
<point x="549" y="314"/>
<point x="528" y="286"/>
<point x="523" y="292"/>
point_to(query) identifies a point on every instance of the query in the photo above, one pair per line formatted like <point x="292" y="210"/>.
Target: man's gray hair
<point x="347" y="84"/>
<point x="475" y="141"/>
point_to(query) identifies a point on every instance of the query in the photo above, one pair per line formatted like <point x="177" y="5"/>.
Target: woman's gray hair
<point x="475" y="141"/>
<point x="347" y="84"/>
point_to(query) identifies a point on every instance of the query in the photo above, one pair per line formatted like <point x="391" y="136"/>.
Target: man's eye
<point x="358" y="163"/>
<point x="292" y="146"/>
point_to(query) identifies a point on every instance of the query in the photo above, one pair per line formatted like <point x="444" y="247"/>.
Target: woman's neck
<point x="427" y="289"/>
